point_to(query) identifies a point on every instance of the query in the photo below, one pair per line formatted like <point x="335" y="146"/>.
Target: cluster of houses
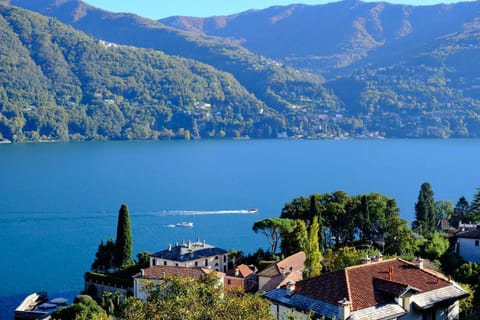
<point x="378" y="289"/>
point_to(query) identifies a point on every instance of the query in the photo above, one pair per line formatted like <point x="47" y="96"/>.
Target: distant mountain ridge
<point x="335" y="35"/>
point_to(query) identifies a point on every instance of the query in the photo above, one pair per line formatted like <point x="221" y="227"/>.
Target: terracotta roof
<point x="370" y="284"/>
<point x="160" y="272"/>
<point x="295" y="262"/>
<point x="290" y="268"/>
<point x="243" y="271"/>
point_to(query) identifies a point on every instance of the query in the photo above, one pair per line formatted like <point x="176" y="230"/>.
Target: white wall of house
<point x="139" y="286"/>
<point x="217" y="263"/>
<point x="450" y="312"/>
<point x="469" y="249"/>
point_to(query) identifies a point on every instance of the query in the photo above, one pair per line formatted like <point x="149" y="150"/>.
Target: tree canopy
<point x="272" y="229"/>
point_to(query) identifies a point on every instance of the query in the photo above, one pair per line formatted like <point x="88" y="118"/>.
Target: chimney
<point x="419" y="263"/>
<point x="169" y="247"/>
<point x="290" y="288"/>
<point x="204" y="243"/>
<point x="189" y="244"/>
<point x="390" y="273"/>
<point x="142" y="272"/>
<point x="344" y="308"/>
<point x="236" y="272"/>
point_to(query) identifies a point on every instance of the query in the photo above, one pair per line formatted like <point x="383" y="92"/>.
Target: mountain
<point x="327" y="38"/>
<point x="276" y="84"/>
<point x="370" y="69"/>
<point x="57" y="83"/>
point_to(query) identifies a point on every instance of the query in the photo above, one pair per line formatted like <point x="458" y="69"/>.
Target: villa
<point x="192" y="254"/>
<point x="387" y="289"/>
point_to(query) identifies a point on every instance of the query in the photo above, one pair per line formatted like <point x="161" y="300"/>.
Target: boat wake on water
<point x="197" y="212"/>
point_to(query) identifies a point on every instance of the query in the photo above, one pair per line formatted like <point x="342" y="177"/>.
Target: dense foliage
<point x="190" y="299"/>
<point x="363" y="219"/>
<point x="83" y="308"/>
<point x="59" y="84"/>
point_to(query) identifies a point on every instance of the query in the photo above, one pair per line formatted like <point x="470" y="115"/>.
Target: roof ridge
<point x="349" y="292"/>
<point x="363" y="265"/>
<point x="434" y="273"/>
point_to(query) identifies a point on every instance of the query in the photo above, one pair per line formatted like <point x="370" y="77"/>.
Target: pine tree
<point x="425" y="211"/>
<point x="474" y="209"/>
<point x="123" y="252"/>
<point x="313" y="266"/>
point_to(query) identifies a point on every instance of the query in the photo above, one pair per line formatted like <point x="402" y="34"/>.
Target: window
<point x="176" y="264"/>
<point x="196" y="263"/>
<point x="216" y="257"/>
<point x="224" y="258"/>
<point x="229" y="282"/>
<point x="164" y="263"/>
<point x="206" y="262"/>
<point x="476" y="243"/>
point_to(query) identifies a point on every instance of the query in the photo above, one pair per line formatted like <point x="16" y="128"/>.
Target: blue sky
<point x="157" y="9"/>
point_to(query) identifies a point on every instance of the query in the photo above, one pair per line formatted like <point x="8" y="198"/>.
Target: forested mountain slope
<point x="58" y="83"/>
<point x="391" y="70"/>
<point x="276" y="84"/>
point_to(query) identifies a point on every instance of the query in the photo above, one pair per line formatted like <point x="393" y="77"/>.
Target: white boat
<point x="253" y="210"/>
<point x="184" y="224"/>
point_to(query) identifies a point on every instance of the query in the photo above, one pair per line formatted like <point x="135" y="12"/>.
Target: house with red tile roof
<point x="468" y="245"/>
<point x="388" y="289"/>
<point x="157" y="274"/>
<point x="279" y="273"/>
<point x="192" y="254"/>
<point x="243" y="277"/>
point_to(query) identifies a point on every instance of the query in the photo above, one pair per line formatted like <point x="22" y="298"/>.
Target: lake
<point x="59" y="200"/>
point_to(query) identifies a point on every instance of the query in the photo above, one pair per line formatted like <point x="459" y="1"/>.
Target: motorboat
<point x="253" y="210"/>
<point x="184" y="224"/>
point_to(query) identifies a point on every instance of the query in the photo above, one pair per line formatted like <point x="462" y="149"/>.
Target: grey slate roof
<point x="428" y="299"/>
<point x="380" y="312"/>
<point x="191" y="251"/>
<point x="302" y="302"/>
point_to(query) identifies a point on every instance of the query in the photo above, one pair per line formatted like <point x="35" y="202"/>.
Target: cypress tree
<point x="313" y="265"/>
<point x="316" y="214"/>
<point x="123" y="243"/>
<point x="425" y="211"/>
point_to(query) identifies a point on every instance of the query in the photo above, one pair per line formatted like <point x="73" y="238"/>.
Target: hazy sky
<point x="157" y="9"/>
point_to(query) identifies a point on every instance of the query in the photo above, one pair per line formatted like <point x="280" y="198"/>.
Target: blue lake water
<point x="59" y="200"/>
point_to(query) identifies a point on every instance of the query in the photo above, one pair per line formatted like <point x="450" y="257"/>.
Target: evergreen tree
<point x="461" y="207"/>
<point x="316" y="214"/>
<point x="123" y="252"/>
<point x="313" y="266"/>
<point x="294" y="241"/>
<point x="474" y="209"/>
<point x="425" y="211"/>
<point x="104" y="257"/>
